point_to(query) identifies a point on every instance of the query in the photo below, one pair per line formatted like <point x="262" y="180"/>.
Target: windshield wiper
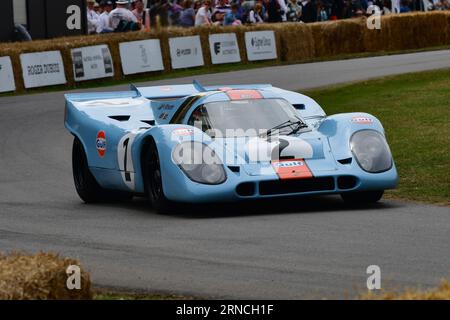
<point x="294" y="125"/>
<point x="268" y="132"/>
<point x="298" y="126"/>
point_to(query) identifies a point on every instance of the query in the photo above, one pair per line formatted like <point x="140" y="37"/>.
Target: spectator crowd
<point x="125" y="15"/>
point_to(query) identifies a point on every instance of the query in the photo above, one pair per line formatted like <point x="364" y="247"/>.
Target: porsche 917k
<point x="195" y="144"/>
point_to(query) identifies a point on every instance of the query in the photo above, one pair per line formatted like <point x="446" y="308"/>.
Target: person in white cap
<point x="122" y="19"/>
<point x="92" y="17"/>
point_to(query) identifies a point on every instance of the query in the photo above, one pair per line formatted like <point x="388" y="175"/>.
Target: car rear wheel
<point x="87" y="187"/>
<point x="362" y="197"/>
<point x="153" y="179"/>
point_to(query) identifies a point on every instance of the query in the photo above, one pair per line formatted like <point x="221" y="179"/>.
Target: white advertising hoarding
<point x="141" y="56"/>
<point x="260" y="45"/>
<point x="92" y="62"/>
<point x="186" y="52"/>
<point x="6" y="75"/>
<point x="224" y="48"/>
<point x="42" y="69"/>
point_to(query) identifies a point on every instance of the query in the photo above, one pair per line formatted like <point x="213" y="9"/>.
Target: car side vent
<point x="150" y="122"/>
<point x="235" y="169"/>
<point x="120" y="118"/>
<point x="299" y="106"/>
<point x="345" y="161"/>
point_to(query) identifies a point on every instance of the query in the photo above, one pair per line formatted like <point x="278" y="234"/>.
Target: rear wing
<point x="174" y="92"/>
<point x="126" y="109"/>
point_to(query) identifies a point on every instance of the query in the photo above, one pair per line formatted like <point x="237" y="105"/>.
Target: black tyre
<point x="153" y="179"/>
<point x="362" y="197"/>
<point x="87" y="187"/>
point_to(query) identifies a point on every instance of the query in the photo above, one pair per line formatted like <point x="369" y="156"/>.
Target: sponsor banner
<point x="92" y="62"/>
<point x="41" y="69"/>
<point x="6" y="75"/>
<point x="224" y="48"/>
<point x="260" y="45"/>
<point x="141" y="56"/>
<point x="186" y="52"/>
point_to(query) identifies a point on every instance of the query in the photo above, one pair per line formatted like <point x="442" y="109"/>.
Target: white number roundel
<point x="125" y="158"/>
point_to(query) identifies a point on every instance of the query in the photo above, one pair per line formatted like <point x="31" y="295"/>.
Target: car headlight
<point x="199" y="162"/>
<point x="371" y="151"/>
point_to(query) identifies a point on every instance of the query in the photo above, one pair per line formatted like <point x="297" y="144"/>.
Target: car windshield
<point x="243" y="117"/>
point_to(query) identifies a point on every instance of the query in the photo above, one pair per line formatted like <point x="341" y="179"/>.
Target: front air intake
<point x="346" y="182"/>
<point x="274" y="187"/>
<point x="245" y="189"/>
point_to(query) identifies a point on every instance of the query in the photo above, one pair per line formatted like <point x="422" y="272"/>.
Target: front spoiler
<point x="267" y="186"/>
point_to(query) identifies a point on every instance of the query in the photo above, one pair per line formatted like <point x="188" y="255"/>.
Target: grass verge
<point x="415" y="111"/>
<point x="442" y="292"/>
<point x="117" y="295"/>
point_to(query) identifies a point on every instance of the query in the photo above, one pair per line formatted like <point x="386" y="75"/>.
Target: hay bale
<point x="376" y="40"/>
<point x="430" y="29"/>
<point x="447" y="15"/>
<point x="338" y="37"/>
<point x="408" y="31"/>
<point x="401" y="34"/>
<point x="296" y="42"/>
<point x="40" y="276"/>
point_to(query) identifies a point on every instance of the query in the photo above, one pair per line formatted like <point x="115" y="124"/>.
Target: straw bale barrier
<point x="296" y="42"/>
<point x="38" y="277"/>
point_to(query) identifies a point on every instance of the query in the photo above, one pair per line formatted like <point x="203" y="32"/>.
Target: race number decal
<point x="125" y="158"/>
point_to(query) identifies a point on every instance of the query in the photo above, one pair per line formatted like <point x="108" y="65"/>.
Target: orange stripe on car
<point x="244" y="94"/>
<point x="292" y="169"/>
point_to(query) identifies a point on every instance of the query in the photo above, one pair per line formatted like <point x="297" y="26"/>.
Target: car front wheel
<point x="153" y="179"/>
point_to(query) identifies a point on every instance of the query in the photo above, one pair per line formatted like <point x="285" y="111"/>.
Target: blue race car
<point x="195" y="144"/>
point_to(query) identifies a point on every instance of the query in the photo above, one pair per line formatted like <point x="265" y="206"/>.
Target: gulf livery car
<point x="195" y="144"/>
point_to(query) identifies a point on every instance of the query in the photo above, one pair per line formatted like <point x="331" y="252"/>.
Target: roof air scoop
<point x="198" y="86"/>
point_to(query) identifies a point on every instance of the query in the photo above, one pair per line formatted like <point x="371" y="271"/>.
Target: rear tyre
<point x="87" y="187"/>
<point x="362" y="197"/>
<point x="153" y="179"/>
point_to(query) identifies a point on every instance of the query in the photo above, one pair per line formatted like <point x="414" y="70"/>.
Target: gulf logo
<point x="292" y="169"/>
<point x="287" y="164"/>
<point x="100" y="143"/>
<point x="362" y="120"/>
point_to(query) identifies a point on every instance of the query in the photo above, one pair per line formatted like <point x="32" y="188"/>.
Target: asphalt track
<point x="308" y="248"/>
